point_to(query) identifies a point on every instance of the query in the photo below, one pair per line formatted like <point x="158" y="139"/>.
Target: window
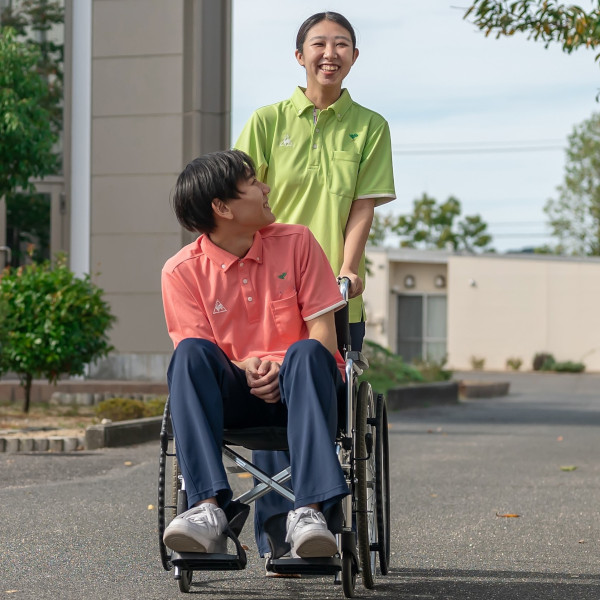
<point x="422" y="322"/>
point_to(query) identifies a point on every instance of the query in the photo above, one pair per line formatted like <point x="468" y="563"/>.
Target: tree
<point x="53" y="323"/>
<point x="26" y="136"/>
<point x="575" y="214"/>
<point x="433" y="225"/>
<point x="40" y="17"/>
<point x="380" y="227"/>
<point x="545" y="20"/>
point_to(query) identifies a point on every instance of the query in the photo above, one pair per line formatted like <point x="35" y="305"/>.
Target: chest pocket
<point x="288" y="319"/>
<point x="343" y="173"/>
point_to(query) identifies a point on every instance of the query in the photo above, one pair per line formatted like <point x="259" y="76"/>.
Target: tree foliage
<point x="26" y="136"/>
<point x="575" y="214"/>
<point x="546" y="20"/>
<point x="53" y="323"/>
<point x="33" y="22"/>
<point x="432" y="225"/>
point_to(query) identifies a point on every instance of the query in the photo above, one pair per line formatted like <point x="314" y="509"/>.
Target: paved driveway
<point x="78" y="526"/>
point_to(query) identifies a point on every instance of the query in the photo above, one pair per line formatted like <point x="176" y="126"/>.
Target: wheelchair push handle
<point x="344" y="284"/>
<point x="342" y="325"/>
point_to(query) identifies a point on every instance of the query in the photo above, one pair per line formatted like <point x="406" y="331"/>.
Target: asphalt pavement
<point x="82" y="525"/>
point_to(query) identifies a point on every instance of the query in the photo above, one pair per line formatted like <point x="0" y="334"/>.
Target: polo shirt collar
<point x="225" y="260"/>
<point x="302" y="103"/>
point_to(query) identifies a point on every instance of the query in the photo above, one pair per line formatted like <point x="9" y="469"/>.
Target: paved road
<point x="77" y="526"/>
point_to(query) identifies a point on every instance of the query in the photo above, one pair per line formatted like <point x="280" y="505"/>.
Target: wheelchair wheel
<point x="366" y="509"/>
<point x="185" y="582"/>
<point x="348" y="575"/>
<point x="166" y="511"/>
<point x="382" y="484"/>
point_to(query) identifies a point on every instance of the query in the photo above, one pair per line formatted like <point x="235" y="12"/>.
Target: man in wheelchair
<point x="250" y="308"/>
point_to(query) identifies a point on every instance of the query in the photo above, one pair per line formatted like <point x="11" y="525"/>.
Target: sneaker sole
<point x="316" y="547"/>
<point x="179" y="539"/>
<point x="180" y="542"/>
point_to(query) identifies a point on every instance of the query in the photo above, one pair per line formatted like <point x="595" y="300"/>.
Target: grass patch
<point x="387" y="370"/>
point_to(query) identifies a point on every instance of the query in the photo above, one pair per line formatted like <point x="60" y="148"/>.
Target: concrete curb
<point x="421" y="395"/>
<point x="122" y="433"/>
<point x="108" y="435"/>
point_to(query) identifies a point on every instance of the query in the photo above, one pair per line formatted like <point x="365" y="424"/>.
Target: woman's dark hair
<point x="211" y="176"/>
<point x="323" y="16"/>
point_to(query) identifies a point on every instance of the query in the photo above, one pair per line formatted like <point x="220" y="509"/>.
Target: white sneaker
<point x="308" y="535"/>
<point x="199" y="529"/>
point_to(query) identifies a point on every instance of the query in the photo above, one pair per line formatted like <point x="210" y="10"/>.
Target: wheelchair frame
<point x="363" y="527"/>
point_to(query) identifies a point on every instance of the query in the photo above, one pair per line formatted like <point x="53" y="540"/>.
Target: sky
<point x="485" y="120"/>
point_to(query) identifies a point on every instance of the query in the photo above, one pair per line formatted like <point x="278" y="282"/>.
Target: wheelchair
<point x="361" y="520"/>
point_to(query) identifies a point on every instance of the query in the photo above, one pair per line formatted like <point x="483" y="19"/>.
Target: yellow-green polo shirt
<point x="317" y="169"/>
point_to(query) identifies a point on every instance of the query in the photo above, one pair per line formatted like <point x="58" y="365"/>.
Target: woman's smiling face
<point x="327" y="54"/>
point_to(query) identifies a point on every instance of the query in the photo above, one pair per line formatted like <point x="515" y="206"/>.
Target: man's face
<point x="251" y="209"/>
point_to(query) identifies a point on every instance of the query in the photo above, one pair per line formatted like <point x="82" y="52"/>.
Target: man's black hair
<point x="209" y="177"/>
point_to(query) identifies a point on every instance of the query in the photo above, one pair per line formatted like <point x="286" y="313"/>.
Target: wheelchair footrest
<point x="198" y="561"/>
<point x="305" y="566"/>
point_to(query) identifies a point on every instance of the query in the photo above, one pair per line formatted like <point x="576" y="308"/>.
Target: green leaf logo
<point x="282" y="276"/>
<point x="354" y="135"/>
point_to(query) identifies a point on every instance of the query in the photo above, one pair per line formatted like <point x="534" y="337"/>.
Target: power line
<point x="497" y="150"/>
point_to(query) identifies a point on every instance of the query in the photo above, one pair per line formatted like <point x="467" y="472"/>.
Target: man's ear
<point x="221" y="209"/>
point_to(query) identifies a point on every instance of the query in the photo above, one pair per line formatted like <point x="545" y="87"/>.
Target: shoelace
<point x="306" y="515"/>
<point x="205" y="516"/>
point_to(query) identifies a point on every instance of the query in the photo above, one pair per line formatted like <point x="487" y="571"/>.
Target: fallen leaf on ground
<point x="568" y="468"/>
<point x="150" y="506"/>
<point x="582" y="541"/>
<point x="127" y="463"/>
<point x="508" y="515"/>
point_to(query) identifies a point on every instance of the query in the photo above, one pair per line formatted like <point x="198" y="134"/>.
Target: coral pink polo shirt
<point x="251" y="306"/>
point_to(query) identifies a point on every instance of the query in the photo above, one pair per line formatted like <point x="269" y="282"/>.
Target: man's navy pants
<point x="272" y="462"/>
<point x="208" y="393"/>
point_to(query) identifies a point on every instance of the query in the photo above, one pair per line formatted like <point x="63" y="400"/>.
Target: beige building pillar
<point x="160" y="88"/>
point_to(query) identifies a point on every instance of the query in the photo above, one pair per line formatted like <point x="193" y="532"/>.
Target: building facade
<point x="491" y="308"/>
<point x="147" y="88"/>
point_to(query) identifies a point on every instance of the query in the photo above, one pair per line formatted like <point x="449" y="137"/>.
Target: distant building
<point x="435" y="304"/>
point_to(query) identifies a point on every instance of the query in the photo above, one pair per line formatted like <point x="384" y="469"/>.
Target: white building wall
<point x="500" y="308"/>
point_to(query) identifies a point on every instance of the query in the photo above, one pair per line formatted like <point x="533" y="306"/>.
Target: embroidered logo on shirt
<point x="282" y="276"/>
<point x="353" y="136"/>
<point x="219" y="308"/>
<point x="286" y="141"/>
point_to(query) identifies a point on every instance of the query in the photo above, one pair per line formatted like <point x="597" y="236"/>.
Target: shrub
<point x="569" y="367"/>
<point x="124" y="409"/>
<point x="542" y="361"/>
<point x="514" y="363"/>
<point x="120" y="409"/>
<point x="386" y="369"/>
<point x="155" y="407"/>
<point x="433" y="370"/>
<point x="53" y="323"/>
<point x="477" y="362"/>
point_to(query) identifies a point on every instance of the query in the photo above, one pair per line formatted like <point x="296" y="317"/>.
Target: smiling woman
<point x="328" y="162"/>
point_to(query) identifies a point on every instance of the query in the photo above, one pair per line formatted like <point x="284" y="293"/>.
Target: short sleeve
<point x="375" y="174"/>
<point x="253" y="141"/>
<point x="184" y="315"/>
<point x="318" y="291"/>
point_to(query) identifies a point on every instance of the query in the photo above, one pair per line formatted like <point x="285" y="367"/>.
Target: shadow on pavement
<point x="457" y="584"/>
